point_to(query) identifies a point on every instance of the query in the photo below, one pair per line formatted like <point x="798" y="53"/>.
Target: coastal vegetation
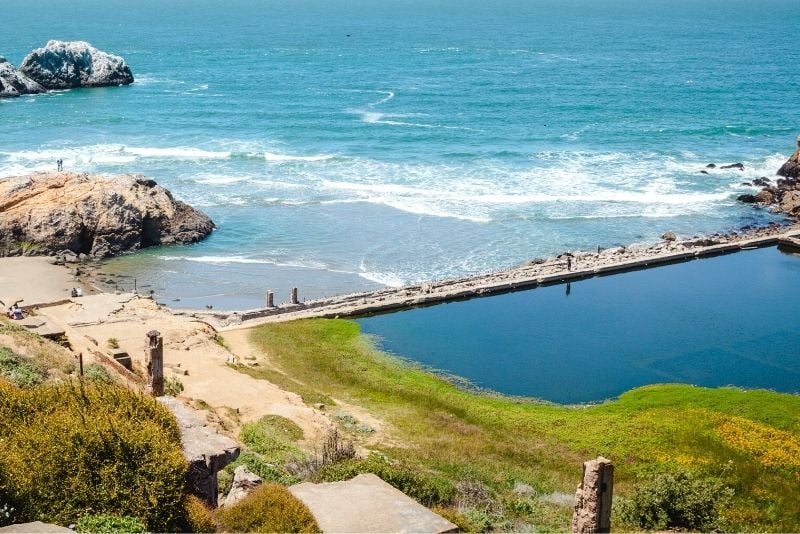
<point x="77" y="448"/>
<point x="270" y="508"/>
<point x="511" y="463"/>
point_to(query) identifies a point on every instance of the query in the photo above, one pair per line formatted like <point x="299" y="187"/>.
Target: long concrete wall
<point x="563" y="268"/>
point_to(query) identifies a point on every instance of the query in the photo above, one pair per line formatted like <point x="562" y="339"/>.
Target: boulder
<point x="243" y="483"/>
<point x="669" y="236"/>
<point x="791" y="169"/>
<point x="790" y="202"/>
<point x="70" y="64"/>
<point x="14" y="83"/>
<point x="98" y="216"/>
<point x="765" y="197"/>
<point x="763" y="181"/>
<point x="747" y="198"/>
<point x="739" y="166"/>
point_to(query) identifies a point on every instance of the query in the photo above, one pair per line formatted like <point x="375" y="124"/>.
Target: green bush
<point x="678" y="500"/>
<point x="272" y="436"/>
<point x="424" y="488"/>
<point x="104" y="523"/>
<point x="75" y="447"/>
<point x="270" y="508"/>
<point x="199" y="517"/>
<point x="20" y="370"/>
<point x="256" y="463"/>
<point x="97" y="373"/>
<point x="173" y="386"/>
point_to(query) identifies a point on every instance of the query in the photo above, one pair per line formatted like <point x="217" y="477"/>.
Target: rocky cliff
<point x="100" y="216"/>
<point x="70" y="64"/>
<point x="791" y="169"/>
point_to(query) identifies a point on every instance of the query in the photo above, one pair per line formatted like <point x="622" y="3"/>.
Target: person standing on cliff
<point x="60" y="164"/>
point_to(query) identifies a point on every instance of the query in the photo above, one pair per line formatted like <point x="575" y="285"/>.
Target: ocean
<point x="349" y="145"/>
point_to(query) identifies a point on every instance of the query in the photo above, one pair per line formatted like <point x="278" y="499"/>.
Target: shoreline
<point x="531" y="274"/>
<point x="566" y="267"/>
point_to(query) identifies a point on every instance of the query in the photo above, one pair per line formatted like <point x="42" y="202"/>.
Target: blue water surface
<point x="352" y="144"/>
<point x="727" y="320"/>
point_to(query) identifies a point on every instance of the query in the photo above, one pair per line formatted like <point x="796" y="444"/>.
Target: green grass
<point x="493" y="442"/>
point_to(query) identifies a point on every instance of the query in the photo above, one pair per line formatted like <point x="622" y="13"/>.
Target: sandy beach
<point x="35" y="280"/>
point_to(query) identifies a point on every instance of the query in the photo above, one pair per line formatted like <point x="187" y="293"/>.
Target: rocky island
<point x="63" y="65"/>
<point x="99" y="216"/>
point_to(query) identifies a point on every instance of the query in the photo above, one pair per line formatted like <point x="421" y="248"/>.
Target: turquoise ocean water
<point x="344" y="145"/>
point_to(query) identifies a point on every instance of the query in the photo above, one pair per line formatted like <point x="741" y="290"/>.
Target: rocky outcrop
<point x="100" y="216"/>
<point x="784" y="195"/>
<point x="14" y="83"/>
<point x="791" y="169"/>
<point x="70" y="64"/>
<point x="244" y="482"/>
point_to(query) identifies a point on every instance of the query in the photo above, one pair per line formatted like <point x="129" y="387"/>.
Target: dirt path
<point x="191" y="354"/>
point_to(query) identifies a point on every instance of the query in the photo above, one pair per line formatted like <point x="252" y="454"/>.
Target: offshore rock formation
<point x="14" y="83"/>
<point x="99" y="216"/>
<point x="62" y="65"/>
<point x="70" y="64"/>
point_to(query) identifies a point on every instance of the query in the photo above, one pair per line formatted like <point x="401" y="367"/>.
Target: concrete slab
<point x="367" y="504"/>
<point x="35" y="527"/>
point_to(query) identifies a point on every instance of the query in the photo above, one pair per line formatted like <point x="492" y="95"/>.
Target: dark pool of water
<point x="727" y="320"/>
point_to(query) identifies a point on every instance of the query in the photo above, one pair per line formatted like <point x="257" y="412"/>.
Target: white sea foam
<point x="384" y="279"/>
<point x="220" y="179"/>
<point x="235" y="259"/>
<point x="177" y="153"/>
<point x="388" y="96"/>
<point x="280" y="158"/>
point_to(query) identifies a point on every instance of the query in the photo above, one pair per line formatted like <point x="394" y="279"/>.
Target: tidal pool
<point x="726" y="320"/>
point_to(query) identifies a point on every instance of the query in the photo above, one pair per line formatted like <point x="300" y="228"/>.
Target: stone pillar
<point x="294" y="300"/>
<point x="593" y="498"/>
<point x="154" y="359"/>
<point x="270" y="299"/>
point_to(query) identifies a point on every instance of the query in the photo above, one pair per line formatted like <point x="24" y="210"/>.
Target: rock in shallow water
<point x="70" y="64"/>
<point x="97" y="215"/>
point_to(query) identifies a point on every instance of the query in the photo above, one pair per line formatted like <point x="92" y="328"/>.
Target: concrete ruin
<point x="206" y="451"/>
<point x="593" y="498"/>
<point x="154" y="360"/>
<point x="367" y="504"/>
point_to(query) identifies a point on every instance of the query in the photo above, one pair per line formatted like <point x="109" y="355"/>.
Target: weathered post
<point x="294" y="296"/>
<point x="154" y="359"/>
<point x="270" y="299"/>
<point x="593" y="498"/>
